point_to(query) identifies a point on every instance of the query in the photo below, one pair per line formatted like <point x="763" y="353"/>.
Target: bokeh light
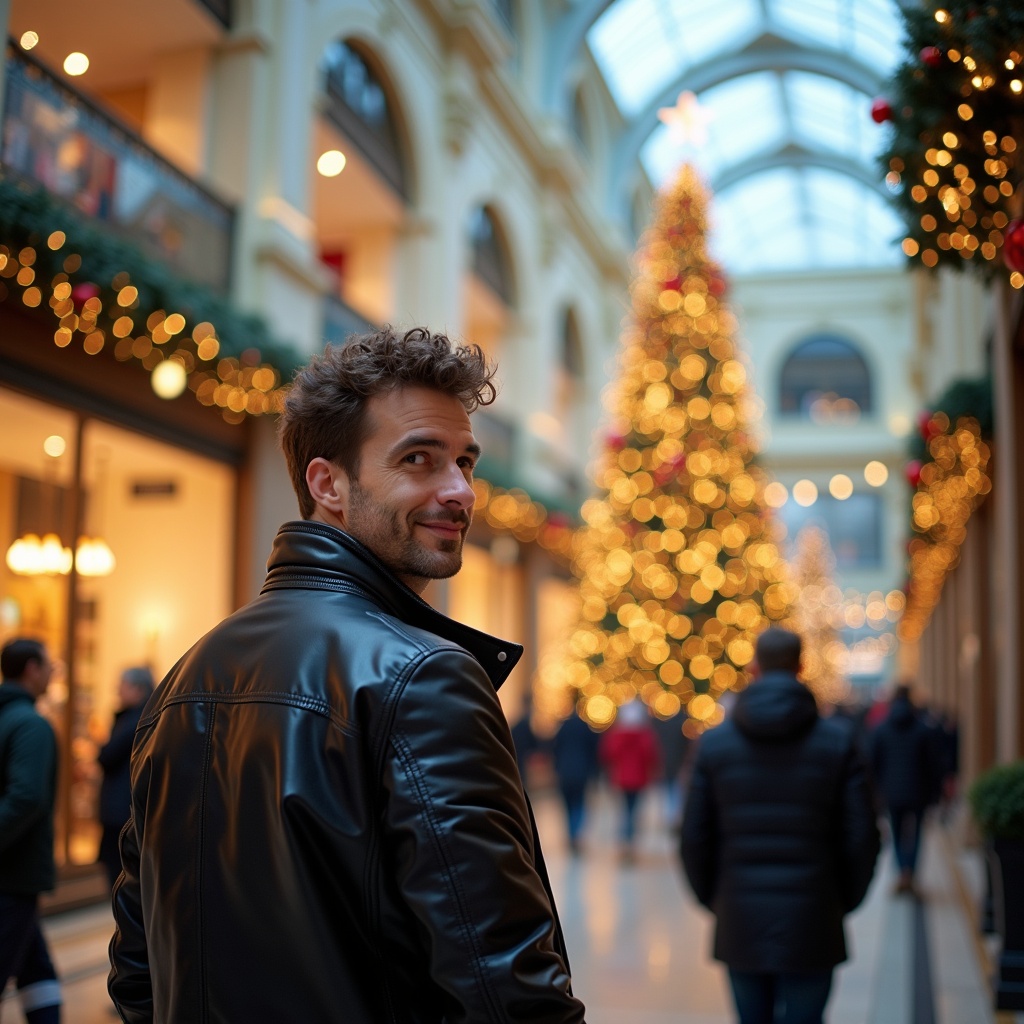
<point x="840" y="486"/>
<point x="805" y="493"/>
<point x="876" y="473"/>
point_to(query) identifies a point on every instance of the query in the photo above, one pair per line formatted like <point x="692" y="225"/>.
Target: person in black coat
<point x="574" y="752"/>
<point x="906" y="759"/>
<point x="114" y="758"/>
<point x="779" y="840"/>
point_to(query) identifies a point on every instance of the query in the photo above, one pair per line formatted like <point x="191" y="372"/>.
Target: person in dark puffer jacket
<point x="906" y="759"/>
<point x="779" y="840"/>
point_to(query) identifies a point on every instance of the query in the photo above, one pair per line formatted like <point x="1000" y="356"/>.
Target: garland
<point x="954" y="162"/>
<point x="57" y="258"/>
<point x="949" y="483"/>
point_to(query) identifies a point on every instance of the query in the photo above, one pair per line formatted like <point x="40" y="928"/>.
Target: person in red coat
<point x="629" y="752"/>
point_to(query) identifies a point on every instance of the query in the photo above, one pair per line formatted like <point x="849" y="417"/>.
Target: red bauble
<point x="1013" y="245"/>
<point x="616" y="442"/>
<point x="913" y="472"/>
<point x="559" y="520"/>
<point x="932" y="56"/>
<point x="83" y="291"/>
<point x="881" y="110"/>
<point x="672" y="285"/>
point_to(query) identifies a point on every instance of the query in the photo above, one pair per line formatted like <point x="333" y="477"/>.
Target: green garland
<point x="955" y="160"/>
<point x="28" y="215"/>
<point x="965" y="397"/>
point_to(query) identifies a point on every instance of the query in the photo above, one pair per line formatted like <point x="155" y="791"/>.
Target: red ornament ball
<point x="1013" y="245"/>
<point x="83" y="291"/>
<point x="673" y="284"/>
<point x="616" y="442"/>
<point x="931" y="56"/>
<point x="913" y="472"/>
<point x="558" y="520"/>
<point x="881" y="110"/>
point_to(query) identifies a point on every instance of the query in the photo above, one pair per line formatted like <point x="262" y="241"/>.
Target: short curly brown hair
<point x="325" y="409"/>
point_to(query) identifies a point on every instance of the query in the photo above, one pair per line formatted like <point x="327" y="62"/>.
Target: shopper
<point x="629" y="752"/>
<point x="574" y="754"/>
<point x="134" y="689"/>
<point x="28" y="787"/>
<point x="328" y="823"/>
<point x="779" y="840"/>
<point x="907" y="762"/>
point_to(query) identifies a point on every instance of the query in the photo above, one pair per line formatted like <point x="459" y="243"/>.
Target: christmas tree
<point x="816" y="611"/>
<point x="677" y="563"/>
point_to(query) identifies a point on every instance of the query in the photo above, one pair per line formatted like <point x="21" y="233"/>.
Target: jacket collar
<point x="305" y="549"/>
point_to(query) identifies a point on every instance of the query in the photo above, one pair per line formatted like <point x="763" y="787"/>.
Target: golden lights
<point x="76" y="63"/>
<point x="876" y="473"/>
<point x="239" y="386"/>
<point x="331" y="163"/>
<point x="950" y="488"/>
<point x="805" y="493"/>
<point x="678" y="566"/>
<point x="29" y="40"/>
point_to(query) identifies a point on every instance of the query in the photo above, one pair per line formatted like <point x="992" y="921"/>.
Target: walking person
<point x="328" y="823"/>
<point x="134" y="689"/>
<point x="629" y="752"/>
<point x="906" y="760"/>
<point x="28" y="787"/>
<point x="574" y="752"/>
<point x="779" y="840"/>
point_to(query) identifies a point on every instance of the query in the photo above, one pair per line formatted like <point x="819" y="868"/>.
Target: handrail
<point x="60" y="139"/>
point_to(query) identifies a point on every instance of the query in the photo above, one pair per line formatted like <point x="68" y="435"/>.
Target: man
<point x="134" y="689"/>
<point x="327" y="819"/>
<point x="779" y="840"/>
<point x="28" y="786"/>
<point x="906" y="760"/>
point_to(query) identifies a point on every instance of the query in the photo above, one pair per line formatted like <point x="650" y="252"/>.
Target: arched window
<point x="359" y="105"/>
<point x="825" y="379"/>
<point x="490" y="261"/>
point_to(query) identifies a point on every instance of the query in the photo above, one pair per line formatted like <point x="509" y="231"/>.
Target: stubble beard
<point x="382" y="529"/>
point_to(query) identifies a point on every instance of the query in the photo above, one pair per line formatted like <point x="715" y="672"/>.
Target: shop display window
<point x="139" y="562"/>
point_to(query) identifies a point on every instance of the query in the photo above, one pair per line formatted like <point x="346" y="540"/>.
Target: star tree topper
<point x="687" y="121"/>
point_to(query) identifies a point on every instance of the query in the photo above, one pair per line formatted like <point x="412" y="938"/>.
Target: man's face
<point x="411" y="502"/>
<point x="37" y="675"/>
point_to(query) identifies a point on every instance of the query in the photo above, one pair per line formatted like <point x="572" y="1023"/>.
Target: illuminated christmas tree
<point x="817" y="610"/>
<point x="677" y="561"/>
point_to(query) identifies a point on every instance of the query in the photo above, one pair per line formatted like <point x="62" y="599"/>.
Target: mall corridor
<point x="639" y="943"/>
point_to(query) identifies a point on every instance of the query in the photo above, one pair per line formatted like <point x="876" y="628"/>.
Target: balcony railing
<point x="57" y="138"/>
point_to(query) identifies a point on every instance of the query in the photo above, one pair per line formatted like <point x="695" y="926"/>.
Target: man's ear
<point x="328" y="485"/>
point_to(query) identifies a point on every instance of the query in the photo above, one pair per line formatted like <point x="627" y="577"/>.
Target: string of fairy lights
<point x="177" y="355"/>
<point x="953" y="164"/>
<point x="678" y="563"/>
<point x="949" y="489"/>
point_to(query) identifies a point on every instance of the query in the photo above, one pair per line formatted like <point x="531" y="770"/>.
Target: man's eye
<point x="467" y="463"/>
<point x="416" y="458"/>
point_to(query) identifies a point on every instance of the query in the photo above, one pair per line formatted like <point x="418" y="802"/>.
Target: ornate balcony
<point x="58" y="139"/>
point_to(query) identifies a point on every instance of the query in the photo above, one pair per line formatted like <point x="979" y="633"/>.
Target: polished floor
<point x="639" y="944"/>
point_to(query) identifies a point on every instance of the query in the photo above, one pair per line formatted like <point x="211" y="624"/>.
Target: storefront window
<point x="148" y="528"/>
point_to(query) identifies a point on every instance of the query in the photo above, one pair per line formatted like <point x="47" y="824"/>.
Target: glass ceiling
<point x="790" y="154"/>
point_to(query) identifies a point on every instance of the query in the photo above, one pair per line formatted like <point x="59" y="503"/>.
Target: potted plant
<point x="997" y="802"/>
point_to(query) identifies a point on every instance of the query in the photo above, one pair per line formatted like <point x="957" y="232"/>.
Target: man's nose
<point x="455" y="489"/>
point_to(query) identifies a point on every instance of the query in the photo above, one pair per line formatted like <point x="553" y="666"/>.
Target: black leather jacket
<point x="328" y="824"/>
